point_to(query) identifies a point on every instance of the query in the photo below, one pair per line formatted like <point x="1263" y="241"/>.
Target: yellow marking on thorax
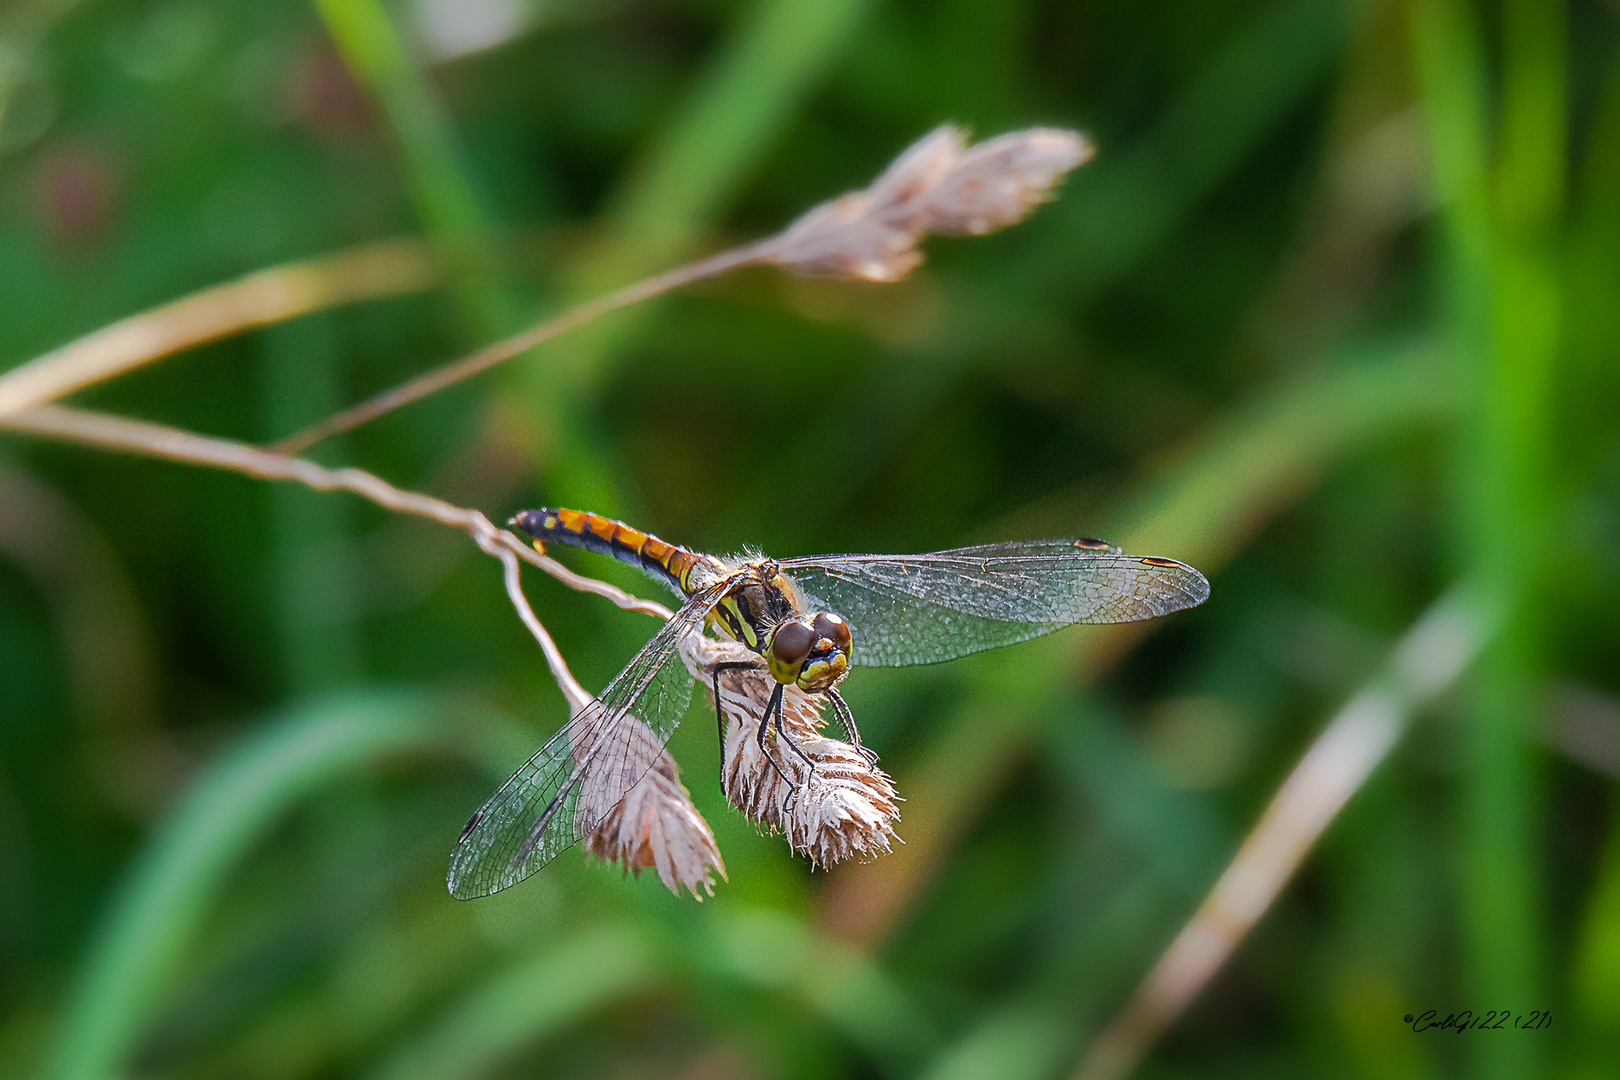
<point x="728" y="619"/>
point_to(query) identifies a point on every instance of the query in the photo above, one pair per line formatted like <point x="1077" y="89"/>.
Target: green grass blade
<point x="166" y="894"/>
<point x="440" y="184"/>
<point x="525" y="1001"/>
<point x="742" y="102"/>
<point x="765" y="949"/>
<point x="1596" y="970"/>
<point x="1274" y="449"/>
<point x="1505" y="301"/>
<point x="1130" y="200"/>
<point x="1025" y="1042"/>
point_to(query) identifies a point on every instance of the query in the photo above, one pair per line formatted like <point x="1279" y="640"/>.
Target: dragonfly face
<point x="809" y="651"/>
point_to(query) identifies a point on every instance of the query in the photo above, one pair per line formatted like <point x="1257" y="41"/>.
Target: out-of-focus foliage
<point x="1331" y="315"/>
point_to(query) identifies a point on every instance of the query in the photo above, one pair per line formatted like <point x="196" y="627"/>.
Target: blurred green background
<point x="1333" y="315"/>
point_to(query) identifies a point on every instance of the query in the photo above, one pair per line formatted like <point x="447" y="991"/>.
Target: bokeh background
<point x="1332" y="315"/>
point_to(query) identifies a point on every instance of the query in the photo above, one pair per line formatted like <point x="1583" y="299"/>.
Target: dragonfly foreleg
<point x="775" y="703"/>
<point x="719" y="713"/>
<point x="774" y="706"/>
<point x="846" y="717"/>
<point x="783" y="737"/>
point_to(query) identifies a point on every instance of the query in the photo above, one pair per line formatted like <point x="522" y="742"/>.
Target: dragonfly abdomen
<point x="668" y="563"/>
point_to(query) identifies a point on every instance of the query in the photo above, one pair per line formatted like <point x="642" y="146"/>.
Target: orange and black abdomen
<point x="593" y="532"/>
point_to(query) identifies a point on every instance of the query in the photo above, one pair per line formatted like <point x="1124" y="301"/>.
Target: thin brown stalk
<point x="575" y="694"/>
<point x="937" y="185"/>
<point x="261" y="298"/>
<point x="1425" y="662"/>
<point x="1583" y="724"/>
<point x="156" y="440"/>
<point x="433" y="381"/>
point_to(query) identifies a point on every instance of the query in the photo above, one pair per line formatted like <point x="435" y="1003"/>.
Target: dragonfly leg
<point x="782" y="737"/>
<point x="719" y="714"/>
<point x="764" y="721"/>
<point x="846" y="716"/>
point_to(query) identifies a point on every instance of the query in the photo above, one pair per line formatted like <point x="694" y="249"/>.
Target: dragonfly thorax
<point x="764" y="610"/>
<point x="759" y="599"/>
<point x="809" y="651"/>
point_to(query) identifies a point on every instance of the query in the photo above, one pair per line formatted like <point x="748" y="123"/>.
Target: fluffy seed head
<point x="844" y="807"/>
<point x="938" y="185"/>
<point x="654" y="824"/>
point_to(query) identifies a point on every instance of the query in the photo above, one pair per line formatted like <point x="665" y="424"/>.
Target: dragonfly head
<point x="809" y="651"/>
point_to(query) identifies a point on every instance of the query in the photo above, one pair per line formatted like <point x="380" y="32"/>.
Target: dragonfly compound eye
<point x="833" y="627"/>
<point x="791" y="644"/>
<point x="829" y="655"/>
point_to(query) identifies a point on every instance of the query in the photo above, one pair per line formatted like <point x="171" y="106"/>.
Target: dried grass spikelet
<point x="845" y="807"/>
<point x="938" y="185"/>
<point x="654" y="824"/>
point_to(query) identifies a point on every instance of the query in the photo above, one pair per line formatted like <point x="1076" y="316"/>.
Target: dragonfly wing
<point x="582" y="771"/>
<point x="920" y="609"/>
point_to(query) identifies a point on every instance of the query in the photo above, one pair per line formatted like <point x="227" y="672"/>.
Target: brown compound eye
<point x="791" y="643"/>
<point x="833" y="628"/>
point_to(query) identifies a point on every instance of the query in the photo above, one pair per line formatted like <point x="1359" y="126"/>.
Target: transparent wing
<point x="920" y="609"/>
<point x="582" y="771"/>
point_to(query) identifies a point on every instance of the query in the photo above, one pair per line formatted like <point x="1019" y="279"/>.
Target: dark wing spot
<point x="472" y="821"/>
<point x="1155" y="561"/>
<point x="1091" y="543"/>
<point x="526" y="848"/>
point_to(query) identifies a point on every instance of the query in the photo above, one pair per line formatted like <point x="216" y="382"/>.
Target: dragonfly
<point x="807" y="621"/>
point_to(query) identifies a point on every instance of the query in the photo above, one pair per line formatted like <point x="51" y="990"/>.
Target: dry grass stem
<point x="156" y="440"/>
<point x="433" y="381"/>
<point x="939" y="185"/>
<point x="844" y="807"/>
<point x="389" y="268"/>
<point x="1583" y="725"/>
<point x="1425" y="662"/>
